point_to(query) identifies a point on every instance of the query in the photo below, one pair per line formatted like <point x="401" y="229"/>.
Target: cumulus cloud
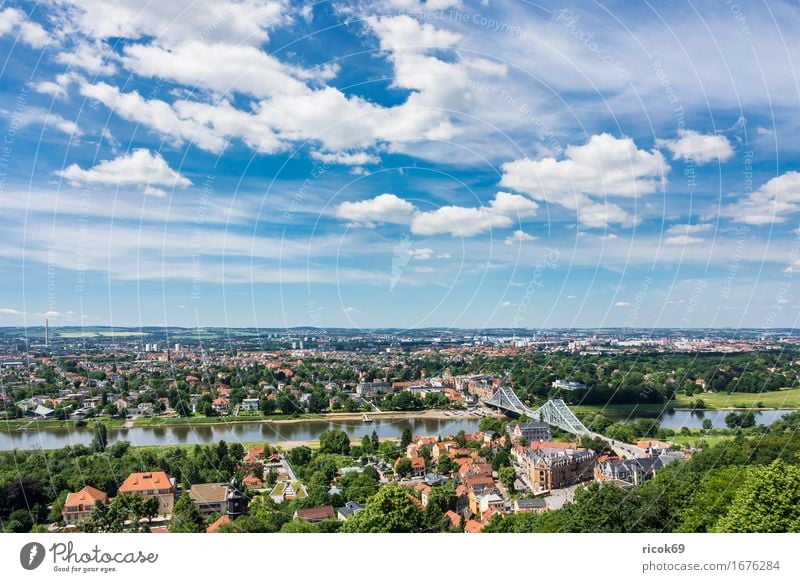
<point x="421" y="254"/>
<point x="684" y="234"/>
<point x="772" y="203"/>
<point x="141" y="168"/>
<point x="31" y="33"/>
<point x="604" y="166"/>
<point x="519" y="236"/>
<point x="383" y="208"/>
<point x="501" y="212"/>
<point x="691" y="145"/>
<point x="345" y="158"/>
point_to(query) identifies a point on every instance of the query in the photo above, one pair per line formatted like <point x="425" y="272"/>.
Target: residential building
<point x="633" y="471"/>
<point x="349" y="509"/>
<point x="554" y="469"/>
<point x="313" y="514"/>
<point x="530" y="504"/>
<point x="209" y="497"/>
<point x="77" y="506"/>
<point x="531" y="431"/>
<point x="152" y="484"/>
<point x="249" y="404"/>
<point x="568" y="385"/>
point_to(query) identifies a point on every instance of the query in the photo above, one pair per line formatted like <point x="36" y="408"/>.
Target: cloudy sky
<point x="399" y="163"/>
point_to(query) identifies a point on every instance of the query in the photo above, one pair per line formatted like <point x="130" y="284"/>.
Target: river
<point x="270" y="432"/>
<point x="277" y="432"/>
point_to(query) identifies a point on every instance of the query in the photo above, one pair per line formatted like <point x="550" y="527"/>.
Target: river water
<point x="270" y="432"/>
<point x="274" y="433"/>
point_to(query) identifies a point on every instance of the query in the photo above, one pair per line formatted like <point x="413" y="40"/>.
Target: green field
<point x="786" y="398"/>
<point x="695" y="439"/>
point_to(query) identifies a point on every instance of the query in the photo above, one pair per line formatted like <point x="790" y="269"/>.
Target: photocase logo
<point x="31" y="555"/>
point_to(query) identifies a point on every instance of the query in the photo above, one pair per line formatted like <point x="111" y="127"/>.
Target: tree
<point x="405" y="439"/>
<point x="707" y="424"/>
<point x="300" y="456"/>
<point x="375" y="441"/>
<point x="100" y="440"/>
<point x="767" y="502"/>
<point x="334" y="441"/>
<point x="185" y="517"/>
<point x="445" y="465"/>
<point x="403" y="467"/>
<point x="366" y="444"/>
<point x="507" y="478"/>
<point x="392" y="509"/>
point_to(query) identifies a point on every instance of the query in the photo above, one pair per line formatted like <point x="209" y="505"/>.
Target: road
<point x="622" y="449"/>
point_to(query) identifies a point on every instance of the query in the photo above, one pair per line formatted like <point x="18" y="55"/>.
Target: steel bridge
<point x="553" y="412"/>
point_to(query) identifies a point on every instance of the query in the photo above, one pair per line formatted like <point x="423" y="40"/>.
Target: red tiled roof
<point x="139" y="482"/>
<point x="316" y="513"/>
<point x="473" y="526"/>
<point x="88" y="496"/>
<point x="219" y="523"/>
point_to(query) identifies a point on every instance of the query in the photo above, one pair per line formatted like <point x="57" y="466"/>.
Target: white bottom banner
<point x="353" y="557"/>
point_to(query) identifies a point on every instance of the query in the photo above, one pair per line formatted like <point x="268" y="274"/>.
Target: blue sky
<point x="399" y="163"/>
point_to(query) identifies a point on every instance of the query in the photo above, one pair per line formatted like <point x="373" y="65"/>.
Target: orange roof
<point x="139" y="482"/>
<point x="217" y="524"/>
<point x="252" y="482"/>
<point x="455" y="519"/>
<point x="417" y="463"/>
<point x="253" y="454"/>
<point x="544" y="445"/>
<point x="473" y="526"/>
<point x="86" y="496"/>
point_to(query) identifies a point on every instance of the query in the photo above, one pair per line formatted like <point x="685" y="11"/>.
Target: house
<point x="254" y="455"/>
<point x="528" y="504"/>
<point x="220" y="405"/>
<point x="633" y="471"/>
<point x="565" y="385"/>
<point x="424" y="492"/>
<point x="219" y="523"/>
<point x="370" y="389"/>
<point x="531" y="431"/>
<point x="455" y="519"/>
<point x="489" y="500"/>
<point x="288" y="490"/>
<point x="313" y="514"/>
<point x="417" y="467"/>
<point x="349" y="509"/>
<point x="209" y="497"/>
<point x="152" y="484"/>
<point x="654" y="448"/>
<point x="473" y="526"/>
<point x="555" y="469"/>
<point x="249" y="404"/>
<point x="252" y="482"/>
<point x="77" y="506"/>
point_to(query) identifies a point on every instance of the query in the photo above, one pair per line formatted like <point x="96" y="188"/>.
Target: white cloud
<point x="622" y="304"/>
<point x="350" y="310"/>
<point x="382" y="208"/>
<point x="235" y="22"/>
<point x="682" y="234"/>
<point x="683" y="240"/>
<point x="10" y="311"/>
<point x="138" y="168"/>
<point x="605" y="166"/>
<point x="772" y="203"/>
<point x="36" y="115"/>
<point x="30" y="32"/>
<point x="501" y="212"/>
<point x="346" y="158"/>
<point x="519" y="236"/>
<point x="506" y="304"/>
<point x="698" y="147"/>
<point x="421" y="254"/>
<point x="443" y="256"/>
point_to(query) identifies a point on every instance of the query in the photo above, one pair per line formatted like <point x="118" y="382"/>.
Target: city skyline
<point x="403" y="164"/>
